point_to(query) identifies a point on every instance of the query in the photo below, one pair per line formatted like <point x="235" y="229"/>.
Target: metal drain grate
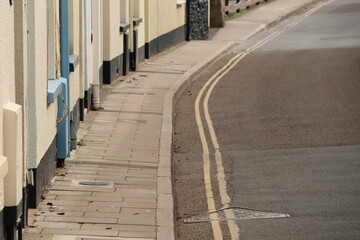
<point x="86" y="183"/>
<point x="132" y="93"/>
<point x="238" y="213"/>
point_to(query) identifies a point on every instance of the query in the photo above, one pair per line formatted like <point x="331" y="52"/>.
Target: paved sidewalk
<point x="118" y="184"/>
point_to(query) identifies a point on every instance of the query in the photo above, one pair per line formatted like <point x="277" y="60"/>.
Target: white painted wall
<point x="7" y="71"/>
<point x="113" y="39"/>
<point x="42" y="116"/>
<point x="165" y="16"/>
<point x="75" y="33"/>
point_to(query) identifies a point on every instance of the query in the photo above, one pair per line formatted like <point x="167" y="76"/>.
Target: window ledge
<point x="54" y="89"/>
<point x="73" y="61"/>
<point x="180" y="2"/>
<point x="3" y="167"/>
<point x="137" y="21"/>
<point x="124" y="27"/>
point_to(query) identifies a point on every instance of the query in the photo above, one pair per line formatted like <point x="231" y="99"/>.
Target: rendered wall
<point x="42" y="116"/>
<point x="165" y="16"/>
<point x="7" y="71"/>
<point x="75" y="32"/>
<point x="113" y="39"/>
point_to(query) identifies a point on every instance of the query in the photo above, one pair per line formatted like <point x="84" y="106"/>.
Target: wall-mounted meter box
<point x="13" y="151"/>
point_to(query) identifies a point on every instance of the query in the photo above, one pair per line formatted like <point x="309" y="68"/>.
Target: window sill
<point x="54" y="89"/>
<point x="180" y="2"/>
<point x="73" y="61"/>
<point x="124" y="27"/>
<point x="3" y="167"/>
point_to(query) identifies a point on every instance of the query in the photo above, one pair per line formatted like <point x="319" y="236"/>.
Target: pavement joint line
<point x="111" y="164"/>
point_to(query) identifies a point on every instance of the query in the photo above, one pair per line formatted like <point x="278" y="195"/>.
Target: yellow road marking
<point x="225" y="199"/>
<point x="206" y="158"/>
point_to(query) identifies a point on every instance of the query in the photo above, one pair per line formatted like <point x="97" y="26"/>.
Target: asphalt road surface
<point x="287" y="119"/>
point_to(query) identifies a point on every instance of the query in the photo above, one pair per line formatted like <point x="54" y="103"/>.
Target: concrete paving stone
<point x="139" y="218"/>
<point x="117" y="158"/>
<point x="164" y="218"/>
<point x="140" y="180"/>
<point x="143" y="154"/>
<point x="82" y="172"/>
<point x="122" y="194"/>
<point x="68" y="193"/>
<point x="61" y="182"/>
<point x="143" y="164"/>
<point x="127" y="135"/>
<point x="51" y="197"/>
<point x="112" y="170"/>
<point x="124" y="204"/>
<point x="152" y="199"/>
<point x="60" y="187"/>
<point x="165" y="233"/>
<point x="88" y="150"/>
<point x="66" y="203"/>
<point x="143" y="159"/>
<point x="142" y="170"/>
<point x="133" y="235"/>
<point x="80" y="219"/>
<point x="109" y="198"/>
<point x="164" y="171"/>
<point x="88" y="156"/>
<point x="33" y="230"/>
<point x="108" y="160"/>
<point x="82" y="209"/>
<point x="83" y="166"/>
<point x="148" y="220"/>
<point x="136" y="211"/>
<point x="164" y="185"/>
<point x="117" y="227"/>
<point x="136" y="188"/>
<point x="59" y="225"/>
<point x="62" y="213"/>
<point x="89" y="232"/>
<point x="165" y="201"/>
<point x="122" y="153"/>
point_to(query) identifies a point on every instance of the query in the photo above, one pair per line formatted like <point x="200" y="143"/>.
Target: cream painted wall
<point x="124" y="11"/>
<point x="7" y="71"/>
<point x="139" y="12"/>
<point x="75" y="84"/>
<point x="113" y="39"/>
<point x="42" y="116"/>
<point x="165" y="16"/>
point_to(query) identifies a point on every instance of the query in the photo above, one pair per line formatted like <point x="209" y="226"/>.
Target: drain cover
<point x="238" y="213"/>
<point x="91" y="183"/>
<point x="85" y="183"/>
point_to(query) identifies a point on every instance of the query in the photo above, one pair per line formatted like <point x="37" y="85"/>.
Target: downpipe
<point x="96" y="96"/>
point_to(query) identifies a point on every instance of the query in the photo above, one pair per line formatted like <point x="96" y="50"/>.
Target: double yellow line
<point x="206" y="90"/>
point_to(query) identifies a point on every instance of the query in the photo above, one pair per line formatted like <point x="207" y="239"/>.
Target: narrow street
<point x="284" y="107"/>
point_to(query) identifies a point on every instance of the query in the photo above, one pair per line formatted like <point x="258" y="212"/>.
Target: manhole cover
<point x="238" y="213"/>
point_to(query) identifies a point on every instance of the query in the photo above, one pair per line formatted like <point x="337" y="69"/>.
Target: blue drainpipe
<point x="63" y="128"/>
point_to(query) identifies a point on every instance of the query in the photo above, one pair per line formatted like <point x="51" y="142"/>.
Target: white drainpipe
<point x="97" y="43"/>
